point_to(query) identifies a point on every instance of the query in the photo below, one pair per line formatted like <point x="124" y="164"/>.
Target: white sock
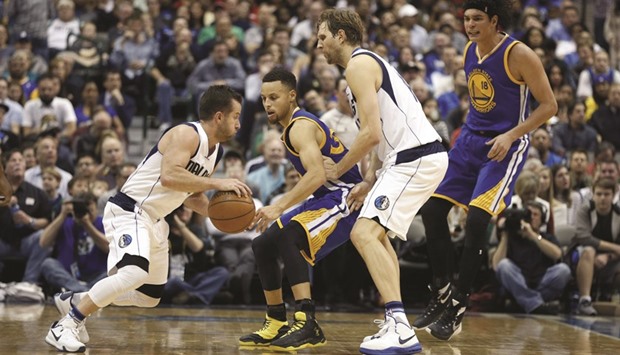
<point x="585" y="298"/>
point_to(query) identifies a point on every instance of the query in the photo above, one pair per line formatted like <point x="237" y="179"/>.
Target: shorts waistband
<point x="123" y="201"/>
<point x="487" y="134"/>
<point x="415" y="153"/>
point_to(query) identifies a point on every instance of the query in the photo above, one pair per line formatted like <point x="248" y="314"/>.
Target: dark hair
<point x="572" y="106"/>
<point x="539" y="206"/>
<point x="46" y="76"/>
<point x="500" y="8"/>
<point x="605" y="183"/>
<point x="217" y="98"/>
<point x="346" y="20"/>
<point x="280" y="74"/>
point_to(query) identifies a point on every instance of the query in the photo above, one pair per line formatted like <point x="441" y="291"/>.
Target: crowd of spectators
<point x="76" y="73"/>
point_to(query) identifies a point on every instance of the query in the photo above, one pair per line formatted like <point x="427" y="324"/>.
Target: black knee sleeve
<point x="285" y="243"/>
<point x="476" y="228"/>
<point x="475" y="244"/>
<point x="292" y="240"/>
<point x="438" y="242"/>
<point x="266" y="256"/>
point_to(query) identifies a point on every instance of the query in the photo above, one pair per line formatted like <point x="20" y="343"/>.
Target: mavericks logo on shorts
<point x="382" y="202"/>
<point x="124" y="241"/>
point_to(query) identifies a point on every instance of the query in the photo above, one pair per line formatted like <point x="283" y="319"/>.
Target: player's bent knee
<point x="145" y="301"/>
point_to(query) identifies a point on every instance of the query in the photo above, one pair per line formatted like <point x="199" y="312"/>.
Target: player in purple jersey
<point x="487" y="157"/>
<point x="307" y="233"/>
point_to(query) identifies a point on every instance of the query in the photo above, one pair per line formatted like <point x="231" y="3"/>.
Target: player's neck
<point x="485" y="47"/>
<point x="289" y="116"/>
<point x="347" y="51"/>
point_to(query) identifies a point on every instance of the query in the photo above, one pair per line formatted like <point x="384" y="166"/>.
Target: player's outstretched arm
<point x="177" y="147"/>
<point x="305" y="137"/>
<point x="361" y="71"/>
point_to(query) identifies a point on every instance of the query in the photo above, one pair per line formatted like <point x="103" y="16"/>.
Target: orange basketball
<point x="231" y="213"/>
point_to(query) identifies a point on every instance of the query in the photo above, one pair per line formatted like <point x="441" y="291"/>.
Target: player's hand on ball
<point x="264" y="216"/>
<point x="500" y="147"/>
<point x="331" y="169"/>
<point x="355" y="200"/>
<point x="240" y="188"/>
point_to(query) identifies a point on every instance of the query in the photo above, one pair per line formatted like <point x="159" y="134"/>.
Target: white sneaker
<point x="63" y="305"/>
<point x="63" y="335"/>
<point x="395" y="337"/>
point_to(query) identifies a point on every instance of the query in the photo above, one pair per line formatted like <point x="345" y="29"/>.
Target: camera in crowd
<point x="514" y="216"/>
<point x="81" y="202"/>
<point x="80" y="208"/>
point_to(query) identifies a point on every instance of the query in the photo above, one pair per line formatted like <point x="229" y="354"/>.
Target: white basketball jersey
<point x="403" y="122"/>
<point x="145" y="187"/>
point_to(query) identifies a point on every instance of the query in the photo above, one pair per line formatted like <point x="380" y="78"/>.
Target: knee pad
<point x="264" y="245"/>
<point x="476" y="228"/>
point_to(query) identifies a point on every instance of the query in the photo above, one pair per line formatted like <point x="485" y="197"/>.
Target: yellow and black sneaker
<point x="272" y="329"/>
<point x="304" y="333"/>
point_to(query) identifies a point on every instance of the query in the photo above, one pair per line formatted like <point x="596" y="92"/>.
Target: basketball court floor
<point x="119" y="330"/>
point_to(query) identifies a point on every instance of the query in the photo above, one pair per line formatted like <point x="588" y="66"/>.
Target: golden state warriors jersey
<point x="498" y="101"/>
<point x="144" y="185"/>
<point x="331" y="147"/>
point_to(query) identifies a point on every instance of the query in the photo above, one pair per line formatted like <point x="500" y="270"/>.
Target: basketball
<point x="231" y="213"/>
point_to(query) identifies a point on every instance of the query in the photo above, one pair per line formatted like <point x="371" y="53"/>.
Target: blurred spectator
<point x="29" y="211"/>
<point x="261" y="32"/>
<point x="112" y="156"/>
<point x="18" y="74"/>
<point x="449" y="100"/>
<point x="291" y="178"/>
<point x="612" y="33"/>
<point x="605" y="169"/>
<point x="49" y="112"/>
<point x="31" y="16"/>
<point x="86" y="167"/>
<point x="80" y="249"/>
<point x="28" y="152"/>
<point x="600" y="71"/>
<point x="5" y="48"/>
<point x="340" y="118"/>
<point x="224" y="30"/>
<point x="577" y="166"/>
<point x="218" y="69"/>
<point x="527" y="188"/>
<point x="124" y="172"/>
<point x="8" y="139"/>
<point x="85" y="112"/>
<point x="449" y="25"/>
<point x="269" y="177"/>
<point x="66" y="23"/>
<point x="443" y="80"/>
<point x="133" y="55"/>
<point x="115" y="23"/>
<point x="171" y="71"/>
<point x="37" y="64"/>
<point x="558" y="29"/>
<point x="526" y="262"/>
<point x="314" y="103"/>
<point x="418" y="36"/>
<point x="327" y="84"/>
<point x="541" y="142"/>
<point x="598" y="225"/>
<point x="432" y="58"/>
<point x="194" y="276"/>
<point x="51" y="181"/>
<point x="304" y="30"/>
<point x="290" y="53"/>
<point x="534" y="37"/>
<point x="606" y="120"/>
<point x="252" y="104"/>
<point x="432" y="114"/>
<point x="575" y="134"/>
<point x="46" y="152"/>
<point x="566" y="200"/>
<point x="221" y="27"/>
<point x="88" y="137"/>
<point x="114" y="97"/>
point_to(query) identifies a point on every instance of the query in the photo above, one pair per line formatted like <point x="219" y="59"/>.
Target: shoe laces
<point x="448" y="317"/>
<point x="383" y="325"/>
<point x="297" y="325"/>
<point x="266" y="325"/>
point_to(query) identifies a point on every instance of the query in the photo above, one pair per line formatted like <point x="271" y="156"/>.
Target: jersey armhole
<point x="507" y="67"/>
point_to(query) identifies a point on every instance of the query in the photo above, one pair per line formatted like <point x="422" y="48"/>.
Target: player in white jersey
<point x="407" y="163"/>
<point x="176" y="171"/>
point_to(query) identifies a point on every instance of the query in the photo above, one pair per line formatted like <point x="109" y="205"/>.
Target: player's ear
<point x="341" y="35"/>
<point x="293" y="95"/>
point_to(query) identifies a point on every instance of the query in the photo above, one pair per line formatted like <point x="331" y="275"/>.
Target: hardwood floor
<point x="119" y="330"/>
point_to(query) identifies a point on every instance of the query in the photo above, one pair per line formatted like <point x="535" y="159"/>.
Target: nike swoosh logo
<point x="403" y="341"/>
<point x="57" y="337"/>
